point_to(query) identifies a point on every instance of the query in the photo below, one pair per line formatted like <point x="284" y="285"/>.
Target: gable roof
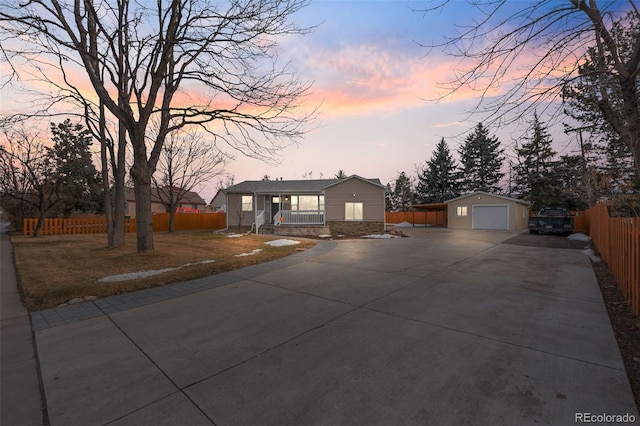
<point x="300" y="186"/>
<point x="375" y="182"/>
<point x="189" y="197"/>
<point x="526" y="203"/>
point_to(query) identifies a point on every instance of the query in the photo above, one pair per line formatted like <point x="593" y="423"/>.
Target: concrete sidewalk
<point x="445" y="327"/>
<point x="19" y="385"/>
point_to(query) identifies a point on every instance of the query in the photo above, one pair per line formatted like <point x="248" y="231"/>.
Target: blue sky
<point x="370" y="77"/>
<point x="371" y="81"/>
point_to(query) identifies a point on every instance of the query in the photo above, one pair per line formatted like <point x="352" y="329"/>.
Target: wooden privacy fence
<point x="618" y="241"/>
<point x="189" y="221"/>
<point x="98" y="224"/>
<point x="438" y="218"/>
<point x="579" y="222"/>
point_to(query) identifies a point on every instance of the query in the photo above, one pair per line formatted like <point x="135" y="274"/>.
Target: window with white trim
<point x="353" y="211"/>
<point x="461" y="211"/>
<point x="247" y="203"/>
<point x="307" y="203"/>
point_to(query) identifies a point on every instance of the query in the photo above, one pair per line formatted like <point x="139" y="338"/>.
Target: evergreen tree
<point x="388" y="199"/>
<point x="481" y="161"/>
<point x="568" y="174"/>
<point x="77" y="178"/>
<point x="437" y="181"/>
<point x="603" y="102"/>
<point x="533" y="173"/>
<point x="403" y="193"/>
<point x="612" y="175"/>
<point x="341" y="174"/>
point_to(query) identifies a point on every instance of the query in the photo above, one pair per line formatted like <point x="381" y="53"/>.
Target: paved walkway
<point x="445" y="327"/>
<point x="19" y="386"/>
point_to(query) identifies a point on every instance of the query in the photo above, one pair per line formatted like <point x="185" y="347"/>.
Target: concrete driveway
<point x="444" y="327"/>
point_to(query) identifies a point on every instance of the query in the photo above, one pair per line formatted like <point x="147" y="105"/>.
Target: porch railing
<point x="259" y="221"/>
<point x="299" y="217"/>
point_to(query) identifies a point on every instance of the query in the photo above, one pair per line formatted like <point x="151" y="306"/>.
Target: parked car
<point x="551" y="220"/>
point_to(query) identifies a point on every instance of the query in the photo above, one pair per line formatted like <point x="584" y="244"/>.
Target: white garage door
<point x="490" y="217"/>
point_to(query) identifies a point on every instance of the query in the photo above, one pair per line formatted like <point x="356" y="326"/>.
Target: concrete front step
<point x="267" y="228"/>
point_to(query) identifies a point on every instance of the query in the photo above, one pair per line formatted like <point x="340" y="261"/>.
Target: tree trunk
<point x="119" y="193"/>
<point x="172" y="208"/>
<point x="106" y="195"/>
<point x="36" y="232"/>
<point x="142" y="189"/>
<point x="172" y="218"/>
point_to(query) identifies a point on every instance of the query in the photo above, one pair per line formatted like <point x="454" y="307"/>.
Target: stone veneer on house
<point x="302" y="231"/>
<point x="356" y="228"/>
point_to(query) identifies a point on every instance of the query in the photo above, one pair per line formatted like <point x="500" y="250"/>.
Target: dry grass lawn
<point x="54" y="269"/>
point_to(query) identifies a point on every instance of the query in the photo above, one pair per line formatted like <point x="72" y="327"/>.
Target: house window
<point x="353" y="211"/>
<point x="307" y="202"/>
<point x="461" y="211"/>
<point x="247" y="203"/>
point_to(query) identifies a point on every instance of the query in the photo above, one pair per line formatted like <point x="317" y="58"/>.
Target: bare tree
<point x="27" y="177"/>
<point x="531" y="50"/>
<point x="186" y="162"/>
<point x="186" y="62"/>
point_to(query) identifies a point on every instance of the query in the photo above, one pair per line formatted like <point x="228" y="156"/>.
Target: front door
<point x="275" y="207"/>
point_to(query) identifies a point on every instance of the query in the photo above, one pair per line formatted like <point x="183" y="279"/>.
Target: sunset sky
<point x="372" y="80"/>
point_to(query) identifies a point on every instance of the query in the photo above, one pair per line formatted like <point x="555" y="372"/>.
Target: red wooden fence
<point x="438" y="218"/>
<point x="98" y="224"/>
<point x="618" y="241"/>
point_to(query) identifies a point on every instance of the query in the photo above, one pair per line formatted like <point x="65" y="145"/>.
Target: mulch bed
<point x="626" y="326"/>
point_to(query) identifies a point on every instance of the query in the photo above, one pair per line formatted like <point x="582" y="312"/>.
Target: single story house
<point x="219" y="202"/>
<point x="349" y="206"/>
<point x="190" y="202"/>
<point x="481" y="210"/>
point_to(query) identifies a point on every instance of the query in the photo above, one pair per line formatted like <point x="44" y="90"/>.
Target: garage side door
<point x="490" y="217"/>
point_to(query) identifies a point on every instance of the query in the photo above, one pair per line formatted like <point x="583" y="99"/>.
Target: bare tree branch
<point x="185" y="62"/>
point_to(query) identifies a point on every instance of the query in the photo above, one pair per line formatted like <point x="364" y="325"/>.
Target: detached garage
<point x="481" y="210"/>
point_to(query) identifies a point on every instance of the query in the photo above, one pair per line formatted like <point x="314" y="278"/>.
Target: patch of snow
<point x="234" y="235"/>
<point x="403" y="225"/>
<point x="324" y="236"/>
<point x="251" y="253"/>
<point x="145" y="274"/>
<point x="379" y="236"/>
<point x="592" y="255"/>
<point x="282" y="243"/>
<point x="579" y="237"/>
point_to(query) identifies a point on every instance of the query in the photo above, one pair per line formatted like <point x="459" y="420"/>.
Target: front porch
<point x="288" y="210"/>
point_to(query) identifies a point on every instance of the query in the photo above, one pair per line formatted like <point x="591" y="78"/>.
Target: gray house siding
<point x="355" y="190"/>
<point x="461" y="210"/>
<point x="238" y="218"/>
<point x="336" y="194"/>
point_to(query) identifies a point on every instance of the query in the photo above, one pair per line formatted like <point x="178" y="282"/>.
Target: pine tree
<point x="77" y="178"/>
<point x="481" y="161"/>
<point x="568" y="175"/>
<point x="437" y="181"/>
<point x="403" y="193"/>
<point x="388" y="199"/>
<point x="533" y="180"/>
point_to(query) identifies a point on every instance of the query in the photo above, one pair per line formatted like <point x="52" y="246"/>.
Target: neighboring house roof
<point x="292" y="186"/>
<point x="430" y="206"/>
<point x="189" y="197"/>
<point x="526" y="203"/>
<point x="220" y="193"/>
